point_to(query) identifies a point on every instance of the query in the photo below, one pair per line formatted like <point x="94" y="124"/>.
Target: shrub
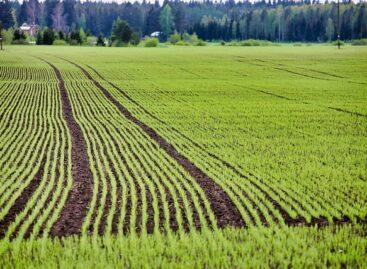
<point x="193" y="39"/>
<point x="297" y="44"/>
<point x="8" y="36"/>
<point x="119" y="43"/>
<point x="91" y="41"/>
<point x="175" y="38"/>
<point x="335" y="43"/>
<point x="75" y="38"/>
<point x="135" y="39"/>
<point x="20" y="42"/>
<point x="255" y="43"/>
<point x="121" y="32"/>
<point x="201" y="43"/>
<point x="151" y="42"/>
<point x="48" y="36"/>
<point x="222" y="43"/>
<point x="359" y="42"/>
<point x="60" y="42"/>
<point x="251" y="43"/>
<point x="182" y="43"/>
<point x="100" y="41"/>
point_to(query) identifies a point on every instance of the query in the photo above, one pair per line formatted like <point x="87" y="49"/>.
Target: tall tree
<point x="5" y="14"/>
<point x="58" y="18"/>
<point x="121" y="31"/>
<point x="329" y="31"/>
<point x="23" y="13"/>
<point x="166" y="21"/>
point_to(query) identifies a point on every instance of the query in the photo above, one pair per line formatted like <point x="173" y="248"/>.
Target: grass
<point x="280" y="129"/>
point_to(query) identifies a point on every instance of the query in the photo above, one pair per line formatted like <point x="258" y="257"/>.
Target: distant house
<point x="155" y="34"/>
<point x="30" y="30"/>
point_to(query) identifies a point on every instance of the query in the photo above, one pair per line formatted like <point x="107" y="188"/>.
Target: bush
<point x="135" y="39"/>
<point x="251" y="43"/>
<point x="60" y="42"/>
<point x="222" y="43"/>
<point x="8" y="36"/>
<point x="234" y="43"/>
<point x="182" y="43"/>
<point x="75" y="38"/>
<point x="297" y="44"/>
<point x="335" y="43"/>
<point x="100" y="41"/>
<point x="201" y="43"/>
<point x="48" y="36"/>
<point x="151" y="42"/>
<point x="175" y="38"/>
<point x="359" y="42"/>
<point x="91" y="41"/>
<point x="20" y="42"/>
<point x="119" y="43"/>
<point x="256" y="43"/>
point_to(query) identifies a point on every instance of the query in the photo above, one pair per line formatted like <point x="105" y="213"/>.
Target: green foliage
<point x="182" y="43"/>
<point x="276" y="115"/>
<point x="255" y="43"/>
<point x="8" y="36"/>
<point x="100" y="41"/>
<point x="151" y="42"/>
<point x="121" y="33"/>
<point x="48" y="36"/>
<point x="91" y="41"/>
<point x="336" y="42"/>
<point x="201" y="43"/>
<point x="135" y="39"/>
<point x="166" y="21"/>
<point x="19" y="37"/>
<point x="359" y="42"/>
<point x="74" y="38"/>
<point x="59" y="42"/>
<point x="83" y="37"/>
<point x="330" y="31"/>
<point x="174" y="38"/>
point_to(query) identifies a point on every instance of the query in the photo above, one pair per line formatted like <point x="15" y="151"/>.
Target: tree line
<point x="277" y="20"/>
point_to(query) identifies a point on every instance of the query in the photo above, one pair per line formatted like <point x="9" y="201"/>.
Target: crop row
<point x="35" y="162"/>
<point x="299" y="198"/>
<point x="136" y="185"/>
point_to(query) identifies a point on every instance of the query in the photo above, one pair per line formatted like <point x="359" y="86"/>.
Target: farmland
<point x="214" y="156"/>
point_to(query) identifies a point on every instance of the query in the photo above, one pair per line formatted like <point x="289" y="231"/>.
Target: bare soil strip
<point x="320" y="221"/>
<point x="225" y="211"/>
<point x="76" y="206"/>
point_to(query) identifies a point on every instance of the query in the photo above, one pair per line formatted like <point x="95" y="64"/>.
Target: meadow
<point x="183" y="157"/>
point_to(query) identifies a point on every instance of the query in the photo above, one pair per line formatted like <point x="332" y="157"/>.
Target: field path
<point x="224" y="209"/>
<point x="76" y="206"/>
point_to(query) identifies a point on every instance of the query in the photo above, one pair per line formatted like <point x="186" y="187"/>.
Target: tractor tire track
<point x="80" y="196"/>
<point x="290" y="221"/>
<point x="225" y="211"/>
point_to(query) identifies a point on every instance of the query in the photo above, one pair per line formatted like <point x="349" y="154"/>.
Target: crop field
<point x="183" y="157"/>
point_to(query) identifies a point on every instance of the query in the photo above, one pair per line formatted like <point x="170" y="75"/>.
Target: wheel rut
<point x="298" y="221"/>
<point x="75" y="209"/>
<point x="223" y="208"/>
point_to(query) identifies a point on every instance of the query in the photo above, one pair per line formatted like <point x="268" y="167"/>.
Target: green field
<point x="183" y="157"/>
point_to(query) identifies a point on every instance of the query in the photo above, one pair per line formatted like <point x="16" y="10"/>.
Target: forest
<point x="278" y="20"/>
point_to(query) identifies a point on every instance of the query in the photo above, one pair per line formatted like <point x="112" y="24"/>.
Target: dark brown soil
<point x="76" y="206"/>
<point x="225" y="211"/>
<point x="321" y="221"/>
